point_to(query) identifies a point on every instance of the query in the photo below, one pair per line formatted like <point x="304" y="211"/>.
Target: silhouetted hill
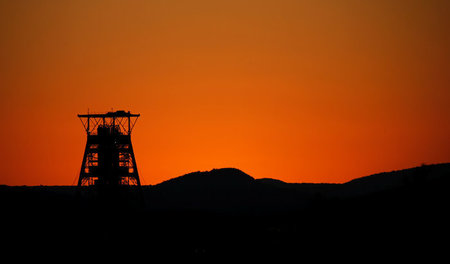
<point x="225" y="212"/>
<point x="220" y="190"/>
<point x="217" y="179"/>
<point x="387" y="181"/>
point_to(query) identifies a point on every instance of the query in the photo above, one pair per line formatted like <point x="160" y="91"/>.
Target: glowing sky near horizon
<point x="301" y="91"/>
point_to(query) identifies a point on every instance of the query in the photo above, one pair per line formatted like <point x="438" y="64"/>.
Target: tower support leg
<point x="135" y="170"/>
<point x="83" y="165"/>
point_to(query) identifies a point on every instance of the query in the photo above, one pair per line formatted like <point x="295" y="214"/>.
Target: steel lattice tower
<point x="108" y="158"/>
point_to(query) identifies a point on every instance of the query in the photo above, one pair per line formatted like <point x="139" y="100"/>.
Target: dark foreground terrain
<point x="227" y="214"/>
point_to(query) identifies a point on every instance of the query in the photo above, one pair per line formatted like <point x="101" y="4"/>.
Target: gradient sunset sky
<point x="301" y="91"/>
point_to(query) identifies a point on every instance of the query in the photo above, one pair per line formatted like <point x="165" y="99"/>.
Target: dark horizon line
<point x="337" y="183"/>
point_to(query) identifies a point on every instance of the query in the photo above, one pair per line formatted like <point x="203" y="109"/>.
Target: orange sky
<point x="302" y="91"/>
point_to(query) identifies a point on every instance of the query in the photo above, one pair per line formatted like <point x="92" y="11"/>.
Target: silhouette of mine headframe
<point x="108" y="158"/>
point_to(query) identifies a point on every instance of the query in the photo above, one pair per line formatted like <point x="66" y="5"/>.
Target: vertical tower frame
<point x="108" y="156"/>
